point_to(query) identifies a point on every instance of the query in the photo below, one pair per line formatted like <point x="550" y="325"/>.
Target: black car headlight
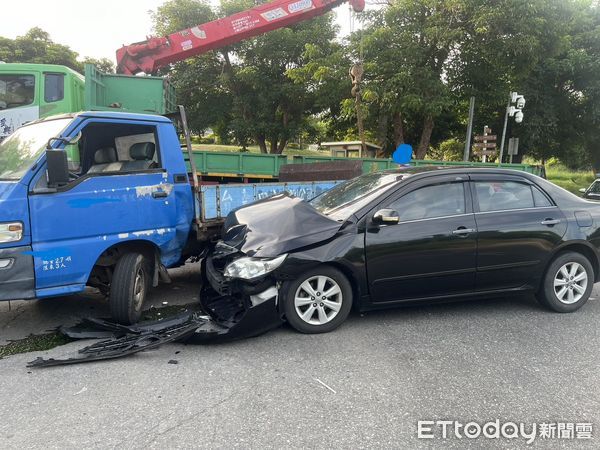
<point x="249" y="268"/>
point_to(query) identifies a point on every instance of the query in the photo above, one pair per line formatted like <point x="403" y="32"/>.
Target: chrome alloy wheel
<point x="570" y="283"/>
<point x="318" y="300"/>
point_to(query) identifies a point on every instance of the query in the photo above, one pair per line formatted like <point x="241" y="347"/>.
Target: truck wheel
<point x="130" y="283"/>
<point x="568" y="283"/>
<point x="318" y="301"/>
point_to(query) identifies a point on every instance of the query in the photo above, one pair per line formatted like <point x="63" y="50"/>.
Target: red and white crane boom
<point x="156" y="52"/>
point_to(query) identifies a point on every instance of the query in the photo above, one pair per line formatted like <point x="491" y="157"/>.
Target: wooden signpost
<point x="485" y="144"/>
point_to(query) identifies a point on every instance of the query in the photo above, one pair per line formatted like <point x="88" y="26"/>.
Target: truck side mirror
<point x="57" y="168"/>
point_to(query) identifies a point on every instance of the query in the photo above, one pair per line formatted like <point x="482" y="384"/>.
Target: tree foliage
<point x="247" y="92"/>
<point x="422" y="59"/>
<point x="37" y="47"/>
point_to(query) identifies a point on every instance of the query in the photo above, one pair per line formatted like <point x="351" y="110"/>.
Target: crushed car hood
<point x="277" y="225"/>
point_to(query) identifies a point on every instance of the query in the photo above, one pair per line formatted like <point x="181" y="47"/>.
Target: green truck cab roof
<point x="28" y="67"/>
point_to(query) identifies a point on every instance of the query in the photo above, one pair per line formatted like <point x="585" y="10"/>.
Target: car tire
<point x="332" y="305"/>
<point x="130" y="283"/>
<point x="568" y="283"/>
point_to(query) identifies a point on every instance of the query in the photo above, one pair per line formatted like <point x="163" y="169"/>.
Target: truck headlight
<point x="11" y="232"/>
<point x="250" y="268"/>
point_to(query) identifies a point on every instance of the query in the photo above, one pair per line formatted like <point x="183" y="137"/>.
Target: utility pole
<point x="356" y="73"/>
<point x="469" y="129"/>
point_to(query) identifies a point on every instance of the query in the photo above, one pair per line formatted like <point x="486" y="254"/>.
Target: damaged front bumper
<point x="245" y="309"/>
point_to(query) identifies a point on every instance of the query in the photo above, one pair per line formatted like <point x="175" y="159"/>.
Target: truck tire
<point x="130" y="283"/>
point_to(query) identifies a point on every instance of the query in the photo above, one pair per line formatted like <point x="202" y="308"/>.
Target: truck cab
<point x="31" y="91"/>
<point x="95" y="198"/>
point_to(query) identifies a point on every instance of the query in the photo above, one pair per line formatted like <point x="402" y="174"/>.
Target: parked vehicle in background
<point x="592" y="192"/>
<point x="32" y="91"/>
<point x="404" y="236"/>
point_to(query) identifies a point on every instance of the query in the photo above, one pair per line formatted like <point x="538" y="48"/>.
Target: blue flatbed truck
<point x="104" y="199"/>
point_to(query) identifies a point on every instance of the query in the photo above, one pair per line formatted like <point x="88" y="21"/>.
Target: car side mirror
<point x="386" y="216"/>
<point x="582" y="190"/>
<point x="57" y="168"/>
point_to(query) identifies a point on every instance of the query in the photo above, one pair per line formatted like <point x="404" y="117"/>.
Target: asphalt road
<point x="364" y="385"/>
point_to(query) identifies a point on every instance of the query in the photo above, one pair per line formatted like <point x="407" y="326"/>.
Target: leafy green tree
<point x="247" y="91"/>
<point x="103" y="64"/>
<point x="37" y="47"/>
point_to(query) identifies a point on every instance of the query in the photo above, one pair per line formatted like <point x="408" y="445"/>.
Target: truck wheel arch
<point x="109" y="257"/>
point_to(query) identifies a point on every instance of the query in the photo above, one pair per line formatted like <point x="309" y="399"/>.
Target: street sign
<point x="485" y="152"/>
<point x="490" y="137"/>
<point x="513" y="146"/>
<point x="484" y="145"/>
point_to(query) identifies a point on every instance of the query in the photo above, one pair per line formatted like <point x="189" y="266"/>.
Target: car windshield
<point x="22" y="148"/>
<point x="344" y="199"/>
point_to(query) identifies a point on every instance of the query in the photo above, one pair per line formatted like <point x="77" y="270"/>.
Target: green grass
<point x="568" y="179"/>
<point x="34" y="343"/>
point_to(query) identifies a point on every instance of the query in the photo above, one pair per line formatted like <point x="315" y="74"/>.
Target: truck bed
<point x="216" y="201"/>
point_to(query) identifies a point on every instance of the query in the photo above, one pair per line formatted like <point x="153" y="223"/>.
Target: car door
<point x="73" y="225"/>
<point x="431" y="251"/>
<point x="518" y="227"/>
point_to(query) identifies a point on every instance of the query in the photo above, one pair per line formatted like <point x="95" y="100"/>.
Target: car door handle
<point x="159" y="194"/>
<point x="463" y="231"/>
<point x="550" y="222"/>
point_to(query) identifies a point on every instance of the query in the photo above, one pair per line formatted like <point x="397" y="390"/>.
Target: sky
<point x="97" y="28"/>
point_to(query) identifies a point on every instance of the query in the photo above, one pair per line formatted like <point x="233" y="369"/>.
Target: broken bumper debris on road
<point x="227" y="318"/>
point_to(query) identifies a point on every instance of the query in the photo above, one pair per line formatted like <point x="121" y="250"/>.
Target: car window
<point x="594" y="188"/>
<point x="504" y="195"/>
<point x="439" y="200"/>
<point x="539" y="198"/>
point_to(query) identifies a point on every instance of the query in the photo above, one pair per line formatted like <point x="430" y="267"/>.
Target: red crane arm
<point x="158" y="52"/>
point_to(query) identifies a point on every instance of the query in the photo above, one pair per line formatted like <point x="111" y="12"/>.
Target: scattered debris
<point x="226" y="321"/>
<point x="328" y="387"/>
<point x="81" y="391"/>
<point x="173" y="361"/>
<point x="134" y="340"/>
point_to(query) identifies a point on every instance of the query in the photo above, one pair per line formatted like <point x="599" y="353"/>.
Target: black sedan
<point x="402" y="236"/>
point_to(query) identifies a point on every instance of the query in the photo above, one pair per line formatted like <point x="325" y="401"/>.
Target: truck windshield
<point x="22" y="148"/>
<point x="16" y="90"/>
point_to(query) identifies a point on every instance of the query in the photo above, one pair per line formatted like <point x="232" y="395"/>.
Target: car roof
<point x="439" y="169"/>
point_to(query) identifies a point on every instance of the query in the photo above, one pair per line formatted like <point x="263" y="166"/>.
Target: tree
<point x="37" y="47"/>
<point x="103" y="64"/>
<point x="247" y="90"/>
